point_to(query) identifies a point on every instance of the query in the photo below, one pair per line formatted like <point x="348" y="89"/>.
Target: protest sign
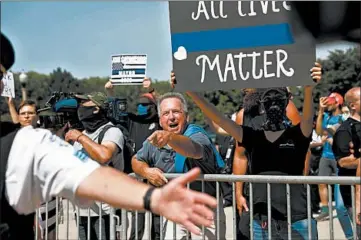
<point x="9" y="86"/>
<point x="238" y="44"/>
<point x="128" y="69"/>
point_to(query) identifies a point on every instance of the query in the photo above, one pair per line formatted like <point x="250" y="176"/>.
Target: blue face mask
<point x="142" y="110"/>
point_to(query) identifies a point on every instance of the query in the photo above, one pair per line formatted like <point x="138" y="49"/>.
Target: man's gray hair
<point x="173" y="95"/>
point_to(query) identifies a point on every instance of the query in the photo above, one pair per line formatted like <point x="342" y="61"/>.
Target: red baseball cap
<point x="335" y="98"/>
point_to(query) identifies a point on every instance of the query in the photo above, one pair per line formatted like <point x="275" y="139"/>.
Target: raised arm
<point x="109" y="89"/>
<point x="292" y="113"/>
<point x="319" y="121"/>
<point x="215" y="127"/>
<point x="212" y="112"/>
<point x="307" y="116"/>
<point x="13" y="113"/>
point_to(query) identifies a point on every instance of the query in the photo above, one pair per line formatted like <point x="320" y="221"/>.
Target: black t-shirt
<point x="140" y="131"/>
<point x="285" y="156"/>
<point x="223" y="142"/>
<point x="341" y="149"/>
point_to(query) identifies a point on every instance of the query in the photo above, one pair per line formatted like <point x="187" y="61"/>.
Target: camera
<point x="60" y="109"/>
<point x="117" y="113"/>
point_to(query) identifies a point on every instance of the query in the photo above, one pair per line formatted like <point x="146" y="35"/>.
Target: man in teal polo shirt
<point x="179" y="147"/>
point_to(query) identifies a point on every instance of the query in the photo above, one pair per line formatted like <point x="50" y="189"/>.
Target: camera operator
<point x="349" y="132"/>
<point x="104" y="143"/>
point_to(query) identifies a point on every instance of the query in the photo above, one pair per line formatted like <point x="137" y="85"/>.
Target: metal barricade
<point x="67" y="225"/>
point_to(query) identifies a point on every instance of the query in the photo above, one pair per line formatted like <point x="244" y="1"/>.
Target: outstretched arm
<point x="212" y="112"/>
<point x="174" y="201"/>
<point x="57" y="171"/>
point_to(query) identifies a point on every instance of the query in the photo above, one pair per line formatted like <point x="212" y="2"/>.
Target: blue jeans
<point x="280" y="231"/>
<point x="342" y="213"/>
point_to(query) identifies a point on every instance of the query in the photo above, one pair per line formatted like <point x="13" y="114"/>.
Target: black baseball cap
<point x="7" y="52"/>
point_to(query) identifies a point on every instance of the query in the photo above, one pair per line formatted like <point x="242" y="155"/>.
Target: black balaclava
<point x="90" y="120"/>
<point x="273" y="104"/>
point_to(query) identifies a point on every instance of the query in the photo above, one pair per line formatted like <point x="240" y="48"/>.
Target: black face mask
<point x="275" y="110"/>
<point x="90" y="120"/>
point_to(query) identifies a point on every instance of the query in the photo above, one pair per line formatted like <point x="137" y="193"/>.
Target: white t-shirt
<point x="315" y="137"/>
<point x="41" y="166"/>
<point x="111" y="135"/>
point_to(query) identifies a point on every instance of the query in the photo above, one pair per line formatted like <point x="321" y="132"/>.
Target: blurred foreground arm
<point x="174" y="201"/>
<point x="50" y="167"/>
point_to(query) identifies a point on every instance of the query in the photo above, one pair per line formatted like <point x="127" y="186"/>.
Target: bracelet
<point x="146" y="198"/>
<point x="77" y="139"/>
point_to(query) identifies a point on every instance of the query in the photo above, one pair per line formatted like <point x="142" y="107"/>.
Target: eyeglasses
<point x="27" y="113"/>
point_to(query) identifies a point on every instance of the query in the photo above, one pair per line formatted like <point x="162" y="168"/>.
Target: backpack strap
<point x="180" y="166"/>
<point x="103" y="131"/>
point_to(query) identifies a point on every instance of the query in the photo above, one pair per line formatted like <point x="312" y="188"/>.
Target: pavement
<point x="68" y="229"/>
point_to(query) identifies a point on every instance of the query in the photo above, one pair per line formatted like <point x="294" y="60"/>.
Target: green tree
<point x="341" y="73"/>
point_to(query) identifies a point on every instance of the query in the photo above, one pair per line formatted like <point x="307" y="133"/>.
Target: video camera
<point x="117" y="110"/>
<point x="60" y="109"/>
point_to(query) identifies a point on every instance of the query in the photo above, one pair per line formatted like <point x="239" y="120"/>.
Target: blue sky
<point x="82" y="36"/>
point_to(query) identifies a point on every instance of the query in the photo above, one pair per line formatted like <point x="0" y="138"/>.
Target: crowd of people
<point x="267" y="136"/>
<point x="37" y="165"/>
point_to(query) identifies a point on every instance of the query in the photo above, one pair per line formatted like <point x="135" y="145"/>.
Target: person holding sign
<point x="288" y="147"/>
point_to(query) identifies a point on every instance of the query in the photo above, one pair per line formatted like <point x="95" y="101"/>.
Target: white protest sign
<point x="128" y="69"/>
<point x="9" y="86"/>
